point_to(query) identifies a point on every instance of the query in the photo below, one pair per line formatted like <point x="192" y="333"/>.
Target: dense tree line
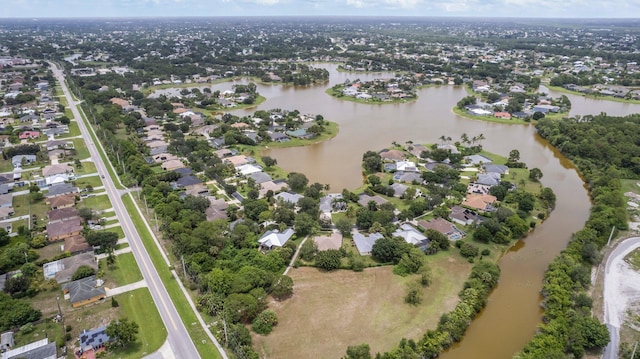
<point x="568" y="325"/>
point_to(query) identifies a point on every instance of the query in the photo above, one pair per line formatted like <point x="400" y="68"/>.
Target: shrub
<point x="83" y="272"/>
<point x="414" y="296"/>
<point x="469" y="250"/>
<point x="485" y="252"/>
<point x="114" y="303"/>
<point x="328" y="260"/>
<point x="264" y="322"/>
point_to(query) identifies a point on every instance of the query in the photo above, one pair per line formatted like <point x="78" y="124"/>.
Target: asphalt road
<point x="178" y="337"/>
<point x="621" y="250"/>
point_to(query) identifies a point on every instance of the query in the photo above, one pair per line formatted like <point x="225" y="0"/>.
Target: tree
<point x="535" y="174"/>
<point x="105" y="240"/>
<point x="372" y="162"/>
<point x="328" y="260"/>
<point x="308" y="250"/>
<point x="85" y="213"/>
<point x="514" y="156"/>
<point x="305" y="224"/>
<point x="122" y="332"/>
<point x="361" y="351"/>
<point x="344" y="225"/>
<point x="17" y="286"/>
<point x="269" y="161"/>
<point x="468" y="250"/>
<point x="82" y="272"/>
<point x="438" y="241"/>
<point x="283" y="287"/>
<point x="297" y="181"/>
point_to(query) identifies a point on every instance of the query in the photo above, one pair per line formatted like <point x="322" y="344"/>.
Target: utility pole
<point x="184" y="267"/>
<point x="611" y="235"/>
<point x="155" y="214"/>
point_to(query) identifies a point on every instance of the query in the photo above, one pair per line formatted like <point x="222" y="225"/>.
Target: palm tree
<point x="464" y="138"/>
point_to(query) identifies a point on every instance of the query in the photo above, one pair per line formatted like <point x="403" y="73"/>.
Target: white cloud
<point x="356" y="3"/>
<point x="405" y="4"/>
<point x="267" y="2"/>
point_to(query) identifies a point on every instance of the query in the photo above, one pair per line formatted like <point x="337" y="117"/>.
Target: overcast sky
<point x="485" y="8"/>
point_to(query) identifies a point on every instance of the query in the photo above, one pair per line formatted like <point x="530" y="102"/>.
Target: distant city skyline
<point x="174" y="8"/>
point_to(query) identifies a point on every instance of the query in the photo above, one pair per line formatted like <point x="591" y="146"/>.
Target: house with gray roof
<point x="477" y="159"/>
<point x="40" y="349"/>
<point x="365" y="243"/>
<point x="488" y="179"/>
<point x="398" y="189"/>
<point x="289" y="197"/>
<point x="500" y="169"/>
<point x="19" y="160"/>
<point x="407" y="177"/>
<point x="61" y="189"/>
<point x="62" y="270"/>
<point x="6" y="200"/>
<point x="412" y="236"/>
<point x="84" y="291"/>
<point x="275" y="238"/>
<point x="259" y="177"/>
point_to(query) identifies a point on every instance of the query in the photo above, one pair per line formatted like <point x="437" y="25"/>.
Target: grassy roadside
<point x="196" y="332"/>
<point x="103" y="156"/>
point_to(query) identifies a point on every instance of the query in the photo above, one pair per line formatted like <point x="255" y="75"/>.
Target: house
<point x="482" y="202"/>
<point x="259" y="177"/>
<point x="502" y="115"/>
<point x="407" y="177"/>
<point x="59" y="173"/>
<point x="120" y="102"/>
<point x="443" y="226"/>
<point x="488" y="179"/>
<point x="164" y="157"/>
<point x="92" y="340"/>
<point x="464" y="216"/>
<point x="62" y="270"/>
<point x="28" y="135"/>
<point x="187" y="181"/>
<point x="62" y="214"/>
<point x="398" y="189"/>
<point x="365" y="243"/>
<point x="6" y="200"/>
<point x="64" y="201"/>
<point x="18" y="160"/>
<point x="300" y="133"/>
<point x="224" y="153"/>
<point x="6" y="341"/>
<point x="60" y="230"/>
<point x="61" y="189"/>
<point x="40" y="349"/>
<point x="275" y="238"/>
<point x="364" y="200"/>
<point x="278" y="137"/>
<point x="478" y="188"/>
<point x="545" y="108"/>
<point x="84" y="291"/>
<point x="289" y="197"/>
<point x="406" y="166"/>
<point x="476" y="160"/>
<point x="392" y="155"/>
<point x="197" y="189"/>
<point x="274" y="186"/>
<point x="237" y="161"/>
<point x="55" y="144"/>
<point x="172" y="165"/>
<point x="217" y="209"/>
<point x="248" y="169"/>
<point x="500" y="169"/>
<point x="412" y="236"/>
<point x="332" y="202"/>
<point x="76" y="244"/>
<point x="6" y="212"/>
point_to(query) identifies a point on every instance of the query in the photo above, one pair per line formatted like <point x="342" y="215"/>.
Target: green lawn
<point x="138" y="306"/>
<point x="22" y="207"/>
<point x="117" y="230"/>
<point x="96" y="202"/>
<point x="630" y="185"/>
<point x="126" y="269"/>
<point x="196" y="332"/>
<point x="6" y="166"/>
<point x="86" y="168"/>
<point x="47" y="329"/>
<point x="93" y="181"/>
<point x="82" y="152"/>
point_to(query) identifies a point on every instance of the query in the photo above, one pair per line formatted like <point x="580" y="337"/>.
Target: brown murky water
<point x="513" y="312"/>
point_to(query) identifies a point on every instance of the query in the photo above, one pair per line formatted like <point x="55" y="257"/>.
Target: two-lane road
<point x="178" y="337"/>
<point x="613" y="311"/>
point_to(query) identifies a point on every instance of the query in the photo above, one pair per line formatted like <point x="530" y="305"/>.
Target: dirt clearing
<point x="330" y="311"/>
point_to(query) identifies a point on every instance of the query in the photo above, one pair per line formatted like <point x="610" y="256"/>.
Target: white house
<point x="275" y="238"/>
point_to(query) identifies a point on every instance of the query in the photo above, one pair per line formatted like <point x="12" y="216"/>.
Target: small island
<point x="518" y="103"/>
<point x="399" y="89"/>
